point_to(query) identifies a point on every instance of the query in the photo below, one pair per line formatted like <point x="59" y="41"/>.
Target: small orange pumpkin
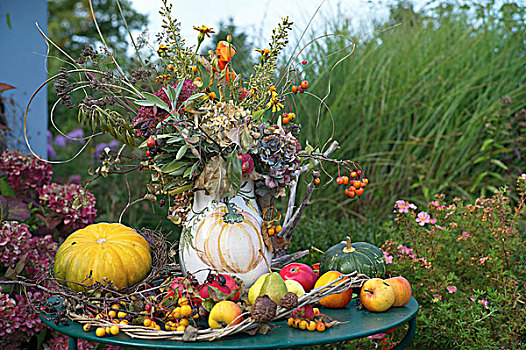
<point x="103" y="252"/>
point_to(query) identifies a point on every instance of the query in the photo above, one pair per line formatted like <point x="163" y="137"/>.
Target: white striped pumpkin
<point x="229" y="247"/>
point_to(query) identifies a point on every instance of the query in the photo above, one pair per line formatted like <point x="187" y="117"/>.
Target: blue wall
<point x="23" y="65"/>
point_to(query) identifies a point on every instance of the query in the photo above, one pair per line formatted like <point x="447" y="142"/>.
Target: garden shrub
<point x="467" y="266"/>
<point x="32" y="211"/>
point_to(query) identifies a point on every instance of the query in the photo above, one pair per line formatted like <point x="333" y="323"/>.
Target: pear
<point x="253" y="292"/>
<point x="295" y="287"/>
<point x="270" y="284"/>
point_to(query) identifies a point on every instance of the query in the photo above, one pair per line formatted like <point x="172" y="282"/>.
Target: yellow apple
<point x="402" y="290"/>
<point x="295" y="287"/>
<point x="223" y="313"/>
<point x="377" y="295"/>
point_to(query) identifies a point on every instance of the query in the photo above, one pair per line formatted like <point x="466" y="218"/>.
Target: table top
<point x="359" y="324"/>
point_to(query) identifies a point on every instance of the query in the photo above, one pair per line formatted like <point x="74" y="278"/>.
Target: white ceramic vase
<point x="225" y="238"/>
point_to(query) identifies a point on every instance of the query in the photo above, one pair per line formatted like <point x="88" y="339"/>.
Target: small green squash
<point x="359" y="256"/>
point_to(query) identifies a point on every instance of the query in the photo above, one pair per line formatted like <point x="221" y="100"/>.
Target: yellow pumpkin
<point x="103" y="252"/>
<point x="229" y="245"/>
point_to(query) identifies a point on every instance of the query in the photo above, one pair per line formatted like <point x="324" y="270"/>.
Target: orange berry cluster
<point x="177" y="319"/>
<point x="116" y="315"/>
<point x="301" y="88"/>
<point x="357" y="186"/>
<point x="310" y="325"/>
<point x="273" y="229"/>
<point x="288" y="117"/>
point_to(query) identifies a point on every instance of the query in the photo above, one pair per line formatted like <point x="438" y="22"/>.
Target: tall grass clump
<point x="434" y="104"/>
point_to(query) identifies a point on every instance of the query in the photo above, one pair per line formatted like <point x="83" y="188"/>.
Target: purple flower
<point x="61" y="140"/>
<point x="76" y="134"/>
<point x="99" y="149"/>
<point x="51" y="154"/>
<point x="114" y="144"/>
<point x="451" y="289"/>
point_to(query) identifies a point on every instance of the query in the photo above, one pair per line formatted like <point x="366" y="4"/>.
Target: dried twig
<point x="292" y="217"/>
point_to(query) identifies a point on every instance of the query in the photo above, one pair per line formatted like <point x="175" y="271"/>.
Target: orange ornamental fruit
<point x="333" y="301"/>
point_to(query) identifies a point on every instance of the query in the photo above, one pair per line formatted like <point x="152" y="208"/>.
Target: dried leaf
<point x="190" y="333"/>
<point x="17" y="209"/>
<point x="233" y="175"/>
<point x="12" y="273"/>
<point x="213" y="178"/>
<point x="233" y="135"/>
<point x="246" y="141"/>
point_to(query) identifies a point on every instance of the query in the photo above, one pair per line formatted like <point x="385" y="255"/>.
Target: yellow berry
<point x="121" y="314"/>
<point x="184" y="322"/>
<point x="311" y="326"/>
<point x="125" y="322"/>
<point x="278" y="228"/>
<point x="114" y="330"/>
<point x="115" y="306"/>
<point x="303" y="324"/>
<point x="108" y="330"/>
<point x="290" y="321"/>
<point x="86" y="327"/>
<point x="181" y="328"/>
<point x="316" y="311"/>
<point x="186" y="310"/>
<point x="112" y="314"/>
<point x="147" y="322"/>
<point x="182" y="301"/>
<point x="100" y="332"/>
<point x="157" y="327"/>
<point x="167" y="327"/>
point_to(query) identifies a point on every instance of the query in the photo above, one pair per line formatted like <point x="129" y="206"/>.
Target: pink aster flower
<point x="484" y="302"/>
<point x="423" y="218"/>
<point x="472" y="299"/>
<point x="388" y="258"/>
<point x="436" y="298"/>
<point x="451" y="289"/>
<point x="435" y="203"/>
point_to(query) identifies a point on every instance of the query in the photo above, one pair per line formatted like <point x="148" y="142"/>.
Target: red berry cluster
<point x="301" y="88"/>
<point x="356" y="181"/>
<point x="154" y="146"/>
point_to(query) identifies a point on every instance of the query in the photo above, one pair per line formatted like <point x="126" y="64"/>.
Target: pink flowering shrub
<point x="14" y="241"/>
<point x="24" y="173"/>
<point x="32" y="209"/>
<point x="71" y="204"/>
<point x="466" y="264"/>
<point x="33" y="256"/>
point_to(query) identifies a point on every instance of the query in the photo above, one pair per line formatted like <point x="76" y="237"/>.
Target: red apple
<point x="300" y="273"/>
<point x="177" y="287"/>
<point x="402" y="290"/>
<point x="209" y="288"/>
<point x="233" y="285"/>
<point x="377" y="295"/>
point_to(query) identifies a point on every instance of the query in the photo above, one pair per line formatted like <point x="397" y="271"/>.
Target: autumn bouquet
<point x="197" y="125"/>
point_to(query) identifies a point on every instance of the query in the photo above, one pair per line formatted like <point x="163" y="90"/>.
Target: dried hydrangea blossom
<point x="222" y="120"/>
<point x="278" y="150"/>
<point x="14" y="242"/>
<point x="71" y="203"/>
<point x="24" y="172"/>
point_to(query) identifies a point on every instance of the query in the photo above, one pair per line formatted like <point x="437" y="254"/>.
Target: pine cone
<point x="264" y="309"/>
<point x="289" y="301"/>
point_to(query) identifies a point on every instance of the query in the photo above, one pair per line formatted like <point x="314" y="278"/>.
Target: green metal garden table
<point x="358" y="324"/>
